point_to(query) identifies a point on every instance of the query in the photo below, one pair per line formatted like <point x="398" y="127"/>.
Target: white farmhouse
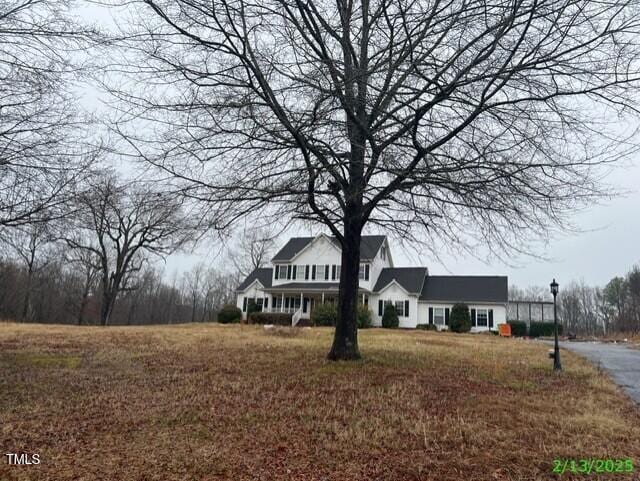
<point x="306" y="273"/>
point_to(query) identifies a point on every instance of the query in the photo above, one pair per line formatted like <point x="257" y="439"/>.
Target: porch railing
<point x="296" y="317"/>
<point x="286" y="310"/>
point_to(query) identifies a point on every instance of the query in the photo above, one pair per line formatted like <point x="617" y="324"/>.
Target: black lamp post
<point x="556" y="349"/>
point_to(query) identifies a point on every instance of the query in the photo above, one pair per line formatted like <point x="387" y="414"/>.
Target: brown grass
<point x="210" y="402"/>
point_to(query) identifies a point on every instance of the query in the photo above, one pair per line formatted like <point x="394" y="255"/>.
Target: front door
<point x="305" y="305"/>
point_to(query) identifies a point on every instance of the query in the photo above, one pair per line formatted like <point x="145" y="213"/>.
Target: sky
<point x="606" y="242"/>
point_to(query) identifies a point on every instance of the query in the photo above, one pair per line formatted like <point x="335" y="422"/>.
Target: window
<point x="300" y="272"/>
<point x="277" y="302"/>
<point x="400" y="308"/>
<point x="282" y="271"/>
<point x="337" y="272"/>
<point x="259" y="302"/>
<point x="320" y="272"/>
<point x="482" y="317"/>
<point x="383" y="253"/>
<point x="363" y="272"/>
<point x="296" y="302"/>
<point x="438" y="316"/>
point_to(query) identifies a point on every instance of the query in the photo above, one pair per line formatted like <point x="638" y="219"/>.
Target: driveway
<point x="622" y="362"/>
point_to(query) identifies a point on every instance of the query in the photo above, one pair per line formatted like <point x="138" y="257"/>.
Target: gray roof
<point x="263" y="274"/>
<point x="465" y="289"/>
<point x="369" y="247"/>
<point x="411" y="278"/>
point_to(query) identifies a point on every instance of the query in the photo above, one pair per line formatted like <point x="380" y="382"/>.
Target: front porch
<point x="302" y="304"/>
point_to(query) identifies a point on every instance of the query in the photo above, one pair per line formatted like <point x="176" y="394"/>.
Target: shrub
<point x="276" y="318"/>
<point x="324" y="315"/>
<point x="459" y="318"/>
<point x="228" y="314"/>
<point x="364" y="317"/>
<point x="518" y="328"/>
<point x="546" y="329"/>
<point x="252" y="307"/>
<point x="390" y="317"/>
<point x="427" y="327"/>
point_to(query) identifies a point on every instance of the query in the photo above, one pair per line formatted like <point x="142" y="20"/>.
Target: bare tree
<point x="87" y="261"/>
<point x="193" y="281"/>
<point x="40" y="153"/>
<point x="254" y="250"/>
<point x="127" y="222"/>
<point x="470" y="122"/>
<point x="31" y="244"/>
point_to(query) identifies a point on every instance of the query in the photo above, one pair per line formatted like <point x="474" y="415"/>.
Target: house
<point x="306" y="273"/>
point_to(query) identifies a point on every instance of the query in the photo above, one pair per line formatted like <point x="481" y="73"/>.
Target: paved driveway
<point x="622" y="362"/>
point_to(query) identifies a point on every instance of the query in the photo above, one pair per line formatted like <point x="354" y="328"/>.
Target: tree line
<point x="94" y="262"/>
<point x="593" y="310"/>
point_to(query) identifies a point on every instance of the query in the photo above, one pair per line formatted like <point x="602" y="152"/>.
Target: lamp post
<point x="556" y="349"/>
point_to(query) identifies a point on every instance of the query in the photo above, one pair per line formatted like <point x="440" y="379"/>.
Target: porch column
<point x="363" y="298"/>
<point x="301" y="302"/>
<point x="323" y="297"/>
<point x="282" y="303"/>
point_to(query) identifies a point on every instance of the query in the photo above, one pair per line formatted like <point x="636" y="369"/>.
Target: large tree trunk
<point x="106" y="307"/>
<point x="345" y="341"/>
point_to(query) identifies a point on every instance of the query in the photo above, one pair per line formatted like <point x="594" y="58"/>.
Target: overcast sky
<point x="607" y="242"/>
<point x="606" y="245"/>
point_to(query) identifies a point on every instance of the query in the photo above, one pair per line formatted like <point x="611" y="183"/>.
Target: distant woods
<point x="593" y="310"/>
<point x="58" y="294"/>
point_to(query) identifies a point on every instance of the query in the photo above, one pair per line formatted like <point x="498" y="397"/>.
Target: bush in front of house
<point x="252" y="307"/>
<point x="324" y="315"/>
<point x="427" y="327"/>
<point x="518" y="328"/>
<point x="459" y="318"/>
<point x="228" y="314"/>
<point x="364" y="317"/>
<point x="544" y="329"/>
<point x="390" y="317"/>
<point x="275" y="318"/>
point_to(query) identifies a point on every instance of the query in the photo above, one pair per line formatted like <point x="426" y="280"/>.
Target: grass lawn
<point x="211" y="402"/>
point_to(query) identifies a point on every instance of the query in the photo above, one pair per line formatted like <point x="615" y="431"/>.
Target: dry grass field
<point x="211" y="402"/>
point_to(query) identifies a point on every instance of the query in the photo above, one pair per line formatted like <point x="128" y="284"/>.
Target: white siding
<point x="324" y="252"/>
<point x="375" y="267"/>
<point x="321" y="252"/>
<point x="394" y="293"/>
<point x="252" y="292"/>
<point x="499" y="313"/>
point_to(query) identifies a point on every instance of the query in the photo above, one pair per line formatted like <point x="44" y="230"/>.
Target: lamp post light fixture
<point x="556" y="349"/>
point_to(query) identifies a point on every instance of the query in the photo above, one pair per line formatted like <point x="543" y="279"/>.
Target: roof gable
<point x="409" y="278"/>
<point x="465" y="289"/>
<point x="263" y="275"/>
<point x="369" y="246"/>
